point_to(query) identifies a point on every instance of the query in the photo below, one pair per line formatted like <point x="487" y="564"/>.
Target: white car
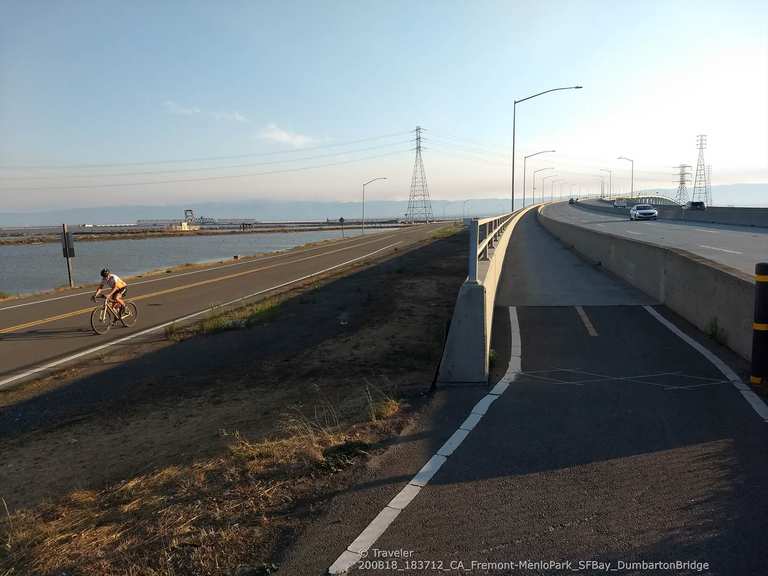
<point x="643" y="212"/>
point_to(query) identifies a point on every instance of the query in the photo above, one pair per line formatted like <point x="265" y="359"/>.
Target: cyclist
<point x="116" y="286"/>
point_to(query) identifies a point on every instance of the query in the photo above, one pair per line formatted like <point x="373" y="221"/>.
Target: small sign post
<point x="341" y="221"/>
<point x="68" y="247"/>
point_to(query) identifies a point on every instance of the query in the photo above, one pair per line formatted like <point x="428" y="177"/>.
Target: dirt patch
<point x="207" y="456"/>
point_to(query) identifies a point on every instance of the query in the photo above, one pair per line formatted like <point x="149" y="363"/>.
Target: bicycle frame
<point x="108" y="307"/>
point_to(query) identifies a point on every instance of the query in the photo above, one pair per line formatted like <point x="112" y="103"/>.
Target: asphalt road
<point x="39" y="330"/>
<point x="738" y="247"/>
<point x="616" y="441"/>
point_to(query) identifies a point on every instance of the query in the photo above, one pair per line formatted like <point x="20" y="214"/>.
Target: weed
<point x="446" y="231"/>
<point x="173" y="333"/>
<point x="492" y="358"/>
<point x="5" y="295"/>
<point x="715" y="332"/>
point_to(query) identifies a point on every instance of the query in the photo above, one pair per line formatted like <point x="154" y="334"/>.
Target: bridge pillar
<point x="759" y="376"/>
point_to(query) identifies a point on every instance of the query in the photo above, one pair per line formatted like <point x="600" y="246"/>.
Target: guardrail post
<point x="759" y="376"/>
<point x="473" y="241"/>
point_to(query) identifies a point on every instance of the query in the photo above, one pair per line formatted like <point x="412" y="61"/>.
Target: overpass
<point x="611" y="433"/>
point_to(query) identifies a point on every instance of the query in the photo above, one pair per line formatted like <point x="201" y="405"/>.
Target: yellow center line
<point x="186" y="286"/>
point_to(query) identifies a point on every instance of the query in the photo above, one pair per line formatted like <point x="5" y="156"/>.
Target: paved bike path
<point x="617" y="444"/>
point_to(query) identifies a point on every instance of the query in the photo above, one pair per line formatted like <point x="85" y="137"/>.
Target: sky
<point x="116" y="103"/>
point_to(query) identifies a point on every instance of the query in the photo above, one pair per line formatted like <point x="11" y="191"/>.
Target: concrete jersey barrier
<point x="715" y="298"/>
<point x="753" y="217"/>
<point x="465" y="356"/>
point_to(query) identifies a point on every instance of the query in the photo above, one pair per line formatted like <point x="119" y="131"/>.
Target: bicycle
<point x="104" y="315"/>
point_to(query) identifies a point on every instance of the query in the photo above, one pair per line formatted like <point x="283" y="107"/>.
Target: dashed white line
<point x="720" y="249"/>
<point x="367" y="538"/>
<point x="707" y="230"/>
<point x="635" y="233"/>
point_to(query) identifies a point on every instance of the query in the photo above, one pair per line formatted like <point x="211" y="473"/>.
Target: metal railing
<point x="484" y="233"/>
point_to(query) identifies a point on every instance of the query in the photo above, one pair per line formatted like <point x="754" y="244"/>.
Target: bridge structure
<point x="611" y="417"/>
<point x="592" y="406"/>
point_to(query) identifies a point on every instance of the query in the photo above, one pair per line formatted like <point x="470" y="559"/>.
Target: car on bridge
<point x="643" y="212"/>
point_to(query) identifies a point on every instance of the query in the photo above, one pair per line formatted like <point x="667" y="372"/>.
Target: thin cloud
<point x="276" y="134"/>
<point x="231" y="117"/>
<point x="175" y="108"/>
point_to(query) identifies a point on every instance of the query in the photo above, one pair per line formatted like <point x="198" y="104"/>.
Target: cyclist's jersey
<point x="113" y="281"/>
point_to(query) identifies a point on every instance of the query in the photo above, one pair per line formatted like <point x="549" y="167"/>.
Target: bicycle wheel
<point x="100" y="320"/>
<point x="130" y="314"/>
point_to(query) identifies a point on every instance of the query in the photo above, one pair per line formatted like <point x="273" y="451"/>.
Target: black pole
<point x="759" y="376"/>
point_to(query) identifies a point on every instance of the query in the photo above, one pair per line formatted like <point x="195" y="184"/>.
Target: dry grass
<point x="244" y="317"/>
<point x="214" y="516"/>
<point x="446" y="231"/>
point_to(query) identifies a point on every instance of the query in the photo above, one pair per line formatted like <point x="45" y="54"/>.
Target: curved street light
<point x="514" y="114"/>
<point x="362" y="222"/>
<point x="632" y="189"/>
<point x="533" y="193"/>
<point x="525" y="161"/>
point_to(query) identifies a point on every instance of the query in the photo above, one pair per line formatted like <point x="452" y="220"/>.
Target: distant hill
<point x="726" y="195"/>
<point x="257" y="209"/>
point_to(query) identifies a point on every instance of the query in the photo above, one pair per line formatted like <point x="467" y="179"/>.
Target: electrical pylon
<point x="700" y="180"/>
<point x="684" y="177"/>
<point x="419" y="204"/>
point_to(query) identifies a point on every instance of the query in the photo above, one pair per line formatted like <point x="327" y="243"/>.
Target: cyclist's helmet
<point x="105" y="272"/>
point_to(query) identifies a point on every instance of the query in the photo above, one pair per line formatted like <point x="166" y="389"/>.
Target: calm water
<point x="33" y="268"/>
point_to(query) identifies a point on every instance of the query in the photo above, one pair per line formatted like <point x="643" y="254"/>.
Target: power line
<point x="203" y="169"/>
<point x="199" y="159"/>
<point x="203" y="179"/>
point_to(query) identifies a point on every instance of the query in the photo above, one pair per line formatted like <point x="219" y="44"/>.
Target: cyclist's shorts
<point x="122" y="292"/>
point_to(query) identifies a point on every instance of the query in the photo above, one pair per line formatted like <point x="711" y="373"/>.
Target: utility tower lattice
<point x="419" y="204"/>
<point x="684" y="177"/>
<point x="701" y="191"/>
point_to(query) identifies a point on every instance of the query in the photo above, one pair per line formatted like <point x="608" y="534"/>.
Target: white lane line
<point x="587" y="322"/>
<point x="635" y="233"/>
<point x="758" y="405"/>
<point x="707" y="230"/>
<point x="720" y="249"/>
<point x="16" y="377"/>
<point x="367" y="538"/>
<point x="212" y="268"/>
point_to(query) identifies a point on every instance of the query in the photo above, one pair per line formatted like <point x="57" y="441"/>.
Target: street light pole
<point x="514" y="115"/>
<point x="533" y="194"/>
<point x="632" y="188"/>
<point x="543" y="186"/>
<point x="552" y="189"/>
<point x="362" y="221"/>
<point x="610" y="181"/>
<point x="525" y="161"/>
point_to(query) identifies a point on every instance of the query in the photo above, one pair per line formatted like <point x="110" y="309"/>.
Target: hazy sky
<point x="290" y="85"/>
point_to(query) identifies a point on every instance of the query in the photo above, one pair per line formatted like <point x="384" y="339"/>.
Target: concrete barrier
<point x="465" y="356"/>
<point x="713" y="215"/>
<point x="715" y="298"/>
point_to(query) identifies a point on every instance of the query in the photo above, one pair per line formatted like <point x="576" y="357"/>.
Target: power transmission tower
<point x="419" y="204"/>
<point x="684" y="177"/>
<point x="700" y="180"/>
